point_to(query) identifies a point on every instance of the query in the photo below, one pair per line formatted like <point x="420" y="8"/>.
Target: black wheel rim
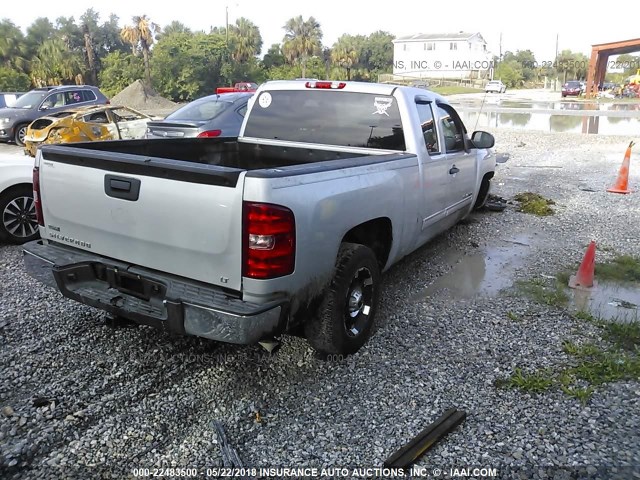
<point x="19" y="217"/>
<point x="359" y="302"/>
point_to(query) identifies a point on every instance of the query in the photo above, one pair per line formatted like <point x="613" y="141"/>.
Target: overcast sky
<point x="535" y="28"/>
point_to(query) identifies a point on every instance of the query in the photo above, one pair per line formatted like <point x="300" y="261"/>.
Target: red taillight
<point x="325" y="84"/>
<point x="209" y="133"/>
<point x="269" y="240"/>
<point x="36" y="196"/>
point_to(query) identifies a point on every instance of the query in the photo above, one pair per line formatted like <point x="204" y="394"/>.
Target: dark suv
<point x="44" y="101"/>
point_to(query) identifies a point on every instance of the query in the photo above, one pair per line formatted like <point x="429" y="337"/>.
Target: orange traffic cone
<point x="622" y="184"/>
<point x="584" y="277"/>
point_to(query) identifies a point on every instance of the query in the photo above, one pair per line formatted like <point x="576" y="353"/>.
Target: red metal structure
<point x="599" y="57"/>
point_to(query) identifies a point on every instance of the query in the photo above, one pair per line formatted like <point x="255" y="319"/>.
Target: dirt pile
<point x="142" y="97"/>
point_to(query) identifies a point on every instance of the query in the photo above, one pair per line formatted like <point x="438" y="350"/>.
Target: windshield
<point x="200" y="110"/>
<point x="30" y="100"/>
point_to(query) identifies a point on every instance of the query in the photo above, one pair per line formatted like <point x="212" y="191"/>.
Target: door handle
<point x="454" y="170"/>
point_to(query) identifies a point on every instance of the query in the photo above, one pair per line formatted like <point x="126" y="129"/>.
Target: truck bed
<point x="223" y="152"/>
<point x="173" y="205"/>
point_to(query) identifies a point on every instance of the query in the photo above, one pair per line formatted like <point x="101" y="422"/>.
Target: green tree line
<point x="179" y="63"/>
<point x="182" y="64"/>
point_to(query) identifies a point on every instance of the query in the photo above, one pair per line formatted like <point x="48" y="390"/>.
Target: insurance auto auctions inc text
<point x="378" y="472"/>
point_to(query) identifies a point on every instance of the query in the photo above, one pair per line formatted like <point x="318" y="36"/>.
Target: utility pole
<point x="226" y="29"/>
<point x="500" y="57"/>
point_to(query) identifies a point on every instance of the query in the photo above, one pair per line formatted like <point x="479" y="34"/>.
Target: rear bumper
<point x="152" y="298"/>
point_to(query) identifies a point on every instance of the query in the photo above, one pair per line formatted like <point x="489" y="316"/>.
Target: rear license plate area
<point x="93" y="273"/>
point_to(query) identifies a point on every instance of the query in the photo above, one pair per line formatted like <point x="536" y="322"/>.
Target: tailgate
<point x="178" y="217"/>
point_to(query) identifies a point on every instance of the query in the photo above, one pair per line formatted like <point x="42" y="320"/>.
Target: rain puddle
<point x="545" y="122"/>
<point x="484" y="273"/>
<point x="609" y="301"/>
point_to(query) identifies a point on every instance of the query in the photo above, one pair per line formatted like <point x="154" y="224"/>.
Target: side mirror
<point x="483" y="139"/>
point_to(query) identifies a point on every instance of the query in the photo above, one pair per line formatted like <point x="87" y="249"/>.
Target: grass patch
<point x="534" y="204"/>
<point x="455" y="90"/>
<point x="535" y="382"/>
<point x="616" y="356"/>
<point x="513" y="316"/>
<point x="593" y="365"/>
<point x="625" y="336"/>
<point x="624" y="268"/>
<point x="586" y="316"/>
<point x="580" y="351"/>
<point x="580" y="393"/>
<point x="604" y="366"/>
<point x="546" y="292"/>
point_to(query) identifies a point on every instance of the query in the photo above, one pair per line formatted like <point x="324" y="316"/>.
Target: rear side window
<point x="88" y="96"/>
<point x="347" y="119"/>
<point x="72" y="97"/>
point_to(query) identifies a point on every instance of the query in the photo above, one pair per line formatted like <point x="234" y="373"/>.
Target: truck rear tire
<point x="345" y="317"/>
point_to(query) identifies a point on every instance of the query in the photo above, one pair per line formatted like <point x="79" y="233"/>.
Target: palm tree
<point x="141" y="35"/>
<point x="91" y="57"/>
<point x="55" y="64"/>
<point x="345" y="53"/>
<point x="12" y="46"/>
<point x="175" y="27"/>
<point x="302" y="40"/>
<point x="246" y="40"/>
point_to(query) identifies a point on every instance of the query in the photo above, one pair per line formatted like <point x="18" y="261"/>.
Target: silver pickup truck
<point x="285" y="229"/>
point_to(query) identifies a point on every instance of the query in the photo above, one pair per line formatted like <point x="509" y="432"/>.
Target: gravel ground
<point x="82" y="399"/>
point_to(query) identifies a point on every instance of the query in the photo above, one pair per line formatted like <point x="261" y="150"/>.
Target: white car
<point x="18" y="222"/>
<point x="495" y="86"/>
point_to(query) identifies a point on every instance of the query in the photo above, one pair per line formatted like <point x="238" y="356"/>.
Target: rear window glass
<point x="200" y="110"/>
<point x="327" y="117"/>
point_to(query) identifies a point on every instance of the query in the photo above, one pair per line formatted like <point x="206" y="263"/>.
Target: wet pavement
<point x="546" y="111"/>
<point x="493" y="268"/>
<point x="613" y="302"/>
<point x="485" y="273"/>
<point x="552" y="123"/>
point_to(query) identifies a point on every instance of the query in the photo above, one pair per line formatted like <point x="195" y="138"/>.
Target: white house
<point x="441" y="55"/>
